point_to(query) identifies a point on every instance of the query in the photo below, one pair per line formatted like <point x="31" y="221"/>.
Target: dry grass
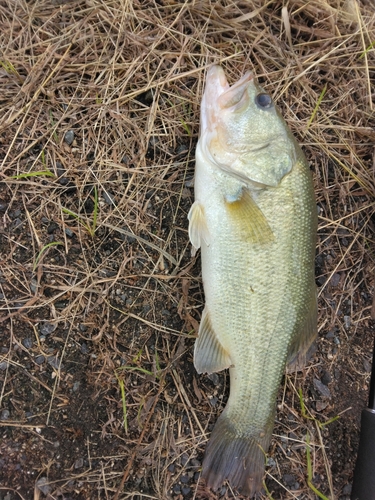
<point x="120" y="289"/>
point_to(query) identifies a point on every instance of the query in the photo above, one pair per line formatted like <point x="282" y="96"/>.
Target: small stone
<point x="213" y="401"/>
<point x="3" y="206"/>
<point x="84" y="348"/>
<point x="335" y="280"/>
<point x="185" y="490"/>
<point x="5" y="414"/>
<point x="344" y="242"/>
<point x="130" y="239"/>
<point x="69" y="137"/>
<point x="195" y="462"/>
<point x="43" y="485"/>
<point x="69" y="232"/>
<point x="347" y="489"/>
<point x="347" y="322"/>
<point x="39" y="360"/>
<point x="321" y="388"/>
<point x="63" y="181"/>
<point x="76" y="386"/>
<point x="16" y="223"/>
<point x="367" y="365"/>
<point x="28" y="343"/>
<point x="3" y="365"/>
<point x="60" y="305"/>
<point x="33" y="285"/>
<point x="60" y="170"/>
<point x="78" y="463"/>
<point x="54" y="362"/>
<point x="182" y="150"/>
<point x="289" y="479"/>
<point x="184" y="479"/>
<point x="47" y="328"/>
<point x="184" y="459"/>
<point x="109" y="198"/>
<point x="171" y="468"/>
<point x="214" y="377"/>
<point x="177" y="489"/>
<point x="165" y="312"/>
<point x="321" y="405"/>
<point x="52" y="227"/>
<point x="326" y="378"/>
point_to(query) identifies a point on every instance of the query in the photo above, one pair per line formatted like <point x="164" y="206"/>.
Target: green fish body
<point x="254" y="219"/>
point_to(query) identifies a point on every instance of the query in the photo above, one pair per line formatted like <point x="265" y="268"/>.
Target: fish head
<point x="243" y="133"/>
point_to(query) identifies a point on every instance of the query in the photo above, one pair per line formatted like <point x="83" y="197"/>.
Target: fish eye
<point x="263" y="101"/>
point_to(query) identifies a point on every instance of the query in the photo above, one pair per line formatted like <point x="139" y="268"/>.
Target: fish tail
<point x="238" y="459"/>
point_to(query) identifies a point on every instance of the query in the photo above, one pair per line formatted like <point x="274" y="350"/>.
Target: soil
<point x="100" y="298"/>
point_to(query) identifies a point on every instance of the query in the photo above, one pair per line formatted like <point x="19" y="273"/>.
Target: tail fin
<point x="239" y="459"/>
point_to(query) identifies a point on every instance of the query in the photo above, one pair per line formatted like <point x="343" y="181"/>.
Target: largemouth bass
<point x="254" y="219"/>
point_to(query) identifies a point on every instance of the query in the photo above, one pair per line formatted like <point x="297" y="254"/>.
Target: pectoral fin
<point x="303" y="346"/>
<point x="249" y="220"/>
<point x="209" y="355"/>
<point x="198" y="230"/>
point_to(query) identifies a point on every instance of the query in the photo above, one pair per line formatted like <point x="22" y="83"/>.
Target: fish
<point x="254" y="219"/>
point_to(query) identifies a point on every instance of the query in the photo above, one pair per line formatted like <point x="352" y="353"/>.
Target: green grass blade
<point x="54" y="243"/>
<point x="309" y="471"/>
<point x="138" y="355"/>
<point x="371" y="46"/>
<point x="33" y="174"/>
<point x="123" y="400"/>
<point x="136" y="369"/>
<point x="78" y="218"/>
<point x="322" y="94"/>
<point x="269" y="496"/>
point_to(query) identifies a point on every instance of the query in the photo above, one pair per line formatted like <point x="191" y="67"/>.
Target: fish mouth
<point x="218" y="95"/>
<point x="234" y="95"/>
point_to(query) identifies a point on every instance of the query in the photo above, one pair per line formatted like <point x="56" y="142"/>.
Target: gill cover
<point x="241" y="131"/>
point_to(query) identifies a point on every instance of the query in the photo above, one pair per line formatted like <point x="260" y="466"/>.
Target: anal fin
<point x="249" y="220"/>
<point x="209" y="355"/>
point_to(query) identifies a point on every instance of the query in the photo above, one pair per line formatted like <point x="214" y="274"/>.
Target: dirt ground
<point x="100" y="299"/>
